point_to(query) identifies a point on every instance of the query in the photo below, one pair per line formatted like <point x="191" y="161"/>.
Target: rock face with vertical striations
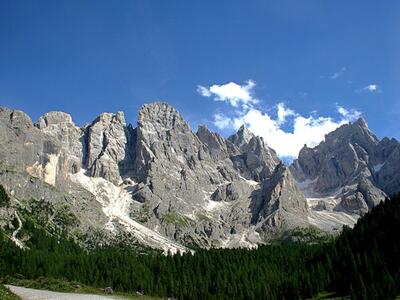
<point x="163" y="185"/>
<point x="254" y="159"/>
<point x="108" y="151"/>
<point x="61" y="128"/>
<point x="36" y="161"/>
<point x="386" y="166"/>
<point x="200" y="187"/>
<point x="352" y="168"/>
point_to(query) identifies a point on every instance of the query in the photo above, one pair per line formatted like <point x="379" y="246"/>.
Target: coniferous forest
<point x="363" y="262"/>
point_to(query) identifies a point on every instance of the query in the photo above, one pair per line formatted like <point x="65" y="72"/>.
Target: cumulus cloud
<point x="372" y="88"/>
<point x="203" y="91"/>
<point x="309" y="130"/>
<point x="231" y="92"/>
<point x="222" y="121"/>
<point x="283" y="113"/>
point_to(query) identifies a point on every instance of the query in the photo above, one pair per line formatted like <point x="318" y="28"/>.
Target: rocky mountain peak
<point x="105" y="143"/>
<point x="59" y="128"/>
<point x="256" y="160"/>
<point x="160" y="116"/>
<point x="362" y="123"/>
<point x="194" y="187"/>
<point x="163" y="137"/>
<point x="19" y="119"/>
<point x="54" y="118"/>
<point x="218" y="147"/>
<point x="349" y="166"/>
<point x="341" y="158"/>
<point x="354" y="133"/>
<point x="108" y="118"/>
<point x="241" y="137"/>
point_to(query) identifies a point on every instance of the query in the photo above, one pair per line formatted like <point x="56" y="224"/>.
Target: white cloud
<point x="309" y="130"/>
<point x="222" y="121"/>
<point x="339" y="73"/>
<point x="203" y="91"/>
<point x="284" y="112"/>
<point x="306" y="130"/>
<point x="372" y="88"/>
<point x="231" y="92"/>
<point x="348" y="114"/>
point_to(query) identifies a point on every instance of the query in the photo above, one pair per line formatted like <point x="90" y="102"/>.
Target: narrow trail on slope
<point x="15" y="233"/>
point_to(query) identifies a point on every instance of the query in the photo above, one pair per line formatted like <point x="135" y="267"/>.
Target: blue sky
<point x="87" y="57"/>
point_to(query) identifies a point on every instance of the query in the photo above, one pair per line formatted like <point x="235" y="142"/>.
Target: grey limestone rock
<point x="350" y="164"/>
<point x="386" y="170"/>
<point x="280" y="203"/>
<point x="255" y="159"/>
<point x="59" y="126"/>
<point x="33" y="167"/>
<point x="232" y="191"/>
<point x="190" y="187"/>
<point x="107" y="153"/>
<point x="193" y="183"/>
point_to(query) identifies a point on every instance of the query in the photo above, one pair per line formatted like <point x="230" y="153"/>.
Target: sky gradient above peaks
<point x="289" y="70"/>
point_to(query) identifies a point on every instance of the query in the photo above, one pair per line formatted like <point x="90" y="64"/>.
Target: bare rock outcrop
<point x="351" y="165"/>
<point x="163" y="184"/>
<point x="106" y="147"/>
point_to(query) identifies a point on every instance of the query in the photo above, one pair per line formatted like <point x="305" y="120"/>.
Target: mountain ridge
<point x="190" y="187"/>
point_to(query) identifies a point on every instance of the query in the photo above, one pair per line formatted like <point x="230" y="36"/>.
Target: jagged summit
<point x="107" y="117"/>
<point x="16" y="118"/>
<point x="161" y="116"/>
<point x="183" y="186"/>
<point x="357" y="132"/>
<point x="361" y="122"/>
<point x="348" y="167"/>
<point x="162" y="184"/>
<point x="242" y="136"/>
<point x="54" y="118"/>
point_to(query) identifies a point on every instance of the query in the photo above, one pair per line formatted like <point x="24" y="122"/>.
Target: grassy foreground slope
<point x="5" y="294"/>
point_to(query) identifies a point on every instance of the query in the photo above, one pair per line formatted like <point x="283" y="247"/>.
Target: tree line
<point x="363" y="262"/>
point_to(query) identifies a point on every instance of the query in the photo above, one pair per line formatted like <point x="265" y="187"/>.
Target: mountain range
<point x="165" y="186"/>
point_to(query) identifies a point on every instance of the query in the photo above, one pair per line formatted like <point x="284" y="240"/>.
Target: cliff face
<point x="163" y="185"/>
<point x="36" y="161"/>
<point x="352" y="167"/>
<point x="203" y="181"/>
<point x="189" y="187"/>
